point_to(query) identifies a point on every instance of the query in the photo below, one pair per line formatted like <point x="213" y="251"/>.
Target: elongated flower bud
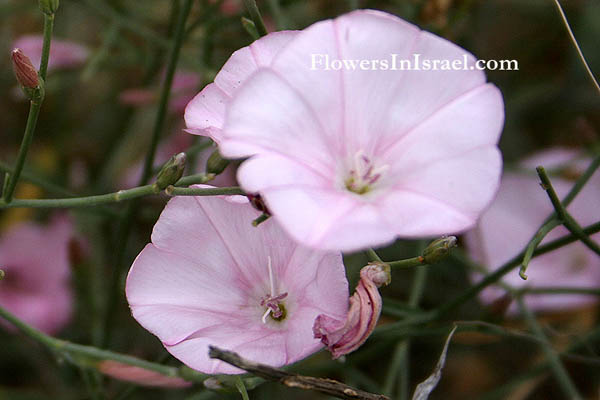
<point x="439" y="249"/>
<point x="343" y="337"/>
<point x="49" y="6"/>
<point x="216" y="164"/>
<point x="171" y="172"/>
<point x="25" y="72"/>
<point x="141" y="376"/>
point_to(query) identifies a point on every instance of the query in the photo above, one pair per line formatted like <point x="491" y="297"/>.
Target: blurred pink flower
<point x="210" y="278"/>
<point x="351" y="158"/>
<point x="63" y="53"/>
<point x="513" y="218"/>
<point x="205" y="114"/>
<point x="36" y="261"/>
<point x="344" y="336"/>
<point x="143" y="377"/>
<point x="183" y="89"/>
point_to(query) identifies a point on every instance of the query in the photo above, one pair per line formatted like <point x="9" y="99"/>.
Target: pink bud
<point x="141" y="376"/>
<point x="343" y="337"/>
<point x="25" y="72"/>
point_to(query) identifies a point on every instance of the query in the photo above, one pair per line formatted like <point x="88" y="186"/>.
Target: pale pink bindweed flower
<point x="344" y="336"/>
<point x="63" y="53"/>
<point x="36" y="287"/>
<point x="352" y="157"/>
<point x="518" y="212"/>
<point x="210" y="278"/>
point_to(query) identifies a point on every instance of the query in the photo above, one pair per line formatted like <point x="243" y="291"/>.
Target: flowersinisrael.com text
<point x="417" y="63"/>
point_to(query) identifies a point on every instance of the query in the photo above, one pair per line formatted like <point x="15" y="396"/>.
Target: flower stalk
<point x="34" y="110"/>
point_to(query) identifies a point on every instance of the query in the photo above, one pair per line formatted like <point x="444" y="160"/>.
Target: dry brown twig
<point x="328" y="386"/>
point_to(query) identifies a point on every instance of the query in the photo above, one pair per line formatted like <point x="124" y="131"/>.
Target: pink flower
<point x="210" y="278"/>
<point x="344" y="336"/>
<point x="63" y="53"/>
<point x="513" y="218"/>
<point x="205" y="114"/>
<point x="139" y="375"/>
<point x="348" y="157"/>
<point x="36" y="261"/>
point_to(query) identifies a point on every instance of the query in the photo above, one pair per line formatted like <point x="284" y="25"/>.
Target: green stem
<point x="122" y="195"/>
<point x="560" y="373"/>
<point x="256" y="17"/>
<point x="373" y="256"/>
<point x="176" y="191"/>
<point x="567" y="220"/>
<point x="239" y="384"/>
<point x="34" y="111"/>
<point x="86" y="201"/>
<point x="48" y="28"/>
<point x="408" y="263"/>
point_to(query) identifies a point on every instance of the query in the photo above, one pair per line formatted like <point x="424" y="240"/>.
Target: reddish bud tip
<point x="25" y="72"/>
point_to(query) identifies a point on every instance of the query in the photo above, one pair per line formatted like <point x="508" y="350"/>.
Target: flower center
<point x="273" y="302"/>
<point x="363" y="174"/>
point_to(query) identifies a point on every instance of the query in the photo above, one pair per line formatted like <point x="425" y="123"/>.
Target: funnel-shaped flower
<point x="63" y="53"/>
<point x="36" y="262"/>
<point x="344" y="336"/>
<point x="350" y="151"/>
<point x="513" y="218"/>
<point x="210" y="278"/>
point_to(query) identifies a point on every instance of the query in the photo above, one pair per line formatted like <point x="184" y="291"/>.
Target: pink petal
<point x="205" y="114"/>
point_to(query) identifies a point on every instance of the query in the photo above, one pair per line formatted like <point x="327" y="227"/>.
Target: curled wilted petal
<point x="141" y="376"/>
<point x="343" y="337"/>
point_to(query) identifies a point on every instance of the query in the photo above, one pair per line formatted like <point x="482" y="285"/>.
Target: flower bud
<point x="216" y="164"/>
<point x="25" y="72"/>
<point x="140" y="376"/>
<point x="343" y="337"/>
<point x="171" y="172"/>
<point x="2" y="274"/>
<point x="439" y="249"/>
<point x="49" y="6"/>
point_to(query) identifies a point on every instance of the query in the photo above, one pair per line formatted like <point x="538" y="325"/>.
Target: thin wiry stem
<point x="579" y="52"/>
<point x="567" y="220"/>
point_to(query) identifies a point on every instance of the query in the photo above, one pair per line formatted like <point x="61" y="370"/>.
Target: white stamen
<point x="265" y="315"/>
<point x="271" y="277"/>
